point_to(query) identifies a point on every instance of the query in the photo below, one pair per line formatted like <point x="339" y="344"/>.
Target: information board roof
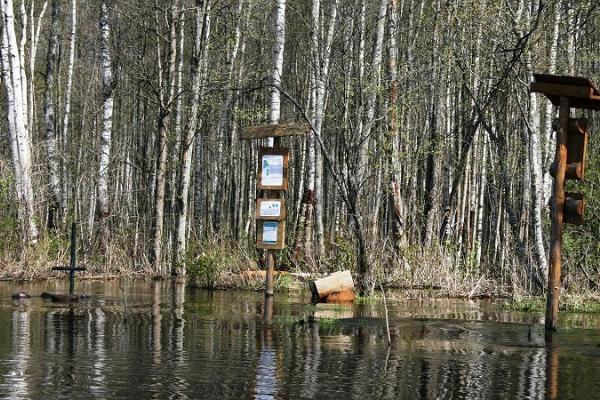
<point x="581" y="91"/>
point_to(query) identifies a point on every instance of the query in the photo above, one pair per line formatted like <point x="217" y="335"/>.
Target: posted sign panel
<point x="270" y="209"/>
<point x="270" y="235"/>
<point x="273" y="168"/>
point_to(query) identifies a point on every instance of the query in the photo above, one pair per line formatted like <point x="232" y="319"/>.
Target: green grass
<point x="328" y="322"/>
<point x="568" y="304"/>
<point x="367" y="299"/>
<point x="525" y="305"/>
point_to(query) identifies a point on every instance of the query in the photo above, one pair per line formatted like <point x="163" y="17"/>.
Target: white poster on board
<point x="272" y="170"/>
<point x="270" y="232"/>
<point x="270" y="208"/>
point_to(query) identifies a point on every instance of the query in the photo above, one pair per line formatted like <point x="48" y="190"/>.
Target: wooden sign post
<point x="273" y="165"/>
<point x="566" y="92"/>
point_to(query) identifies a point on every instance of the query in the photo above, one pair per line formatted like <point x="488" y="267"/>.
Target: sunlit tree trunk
<point x="166" y="96"/>
<point x="277" y="67"/>
<point x="68" y="92"/>
<point x="107" y="120"/>
<point x="14" y="83"/>
<point x="35" y="29"/>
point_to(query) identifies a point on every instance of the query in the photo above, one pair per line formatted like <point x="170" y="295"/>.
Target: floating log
<point x="336" y="282"/>
<point x="60" y="298"/>
<point x="343" y="296"/>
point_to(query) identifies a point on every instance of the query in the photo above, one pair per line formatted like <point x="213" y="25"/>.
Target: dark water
<point x="156" y="340"/>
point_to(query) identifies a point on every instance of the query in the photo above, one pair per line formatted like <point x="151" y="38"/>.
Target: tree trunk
<point x="14" y="82"/>
<point x="200" y="41"/>
<point x="166" y="96"/>
<point x="107" y="121"/>
<point x="68" y="91"/>
<point x="55" y="210"/>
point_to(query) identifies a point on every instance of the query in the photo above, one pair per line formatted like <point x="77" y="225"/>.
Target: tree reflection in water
<point x="179" y="343"/>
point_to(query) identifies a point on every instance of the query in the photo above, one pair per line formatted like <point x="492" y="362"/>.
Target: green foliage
<point x="9" y="223"/>
<point x="204" y="267"/>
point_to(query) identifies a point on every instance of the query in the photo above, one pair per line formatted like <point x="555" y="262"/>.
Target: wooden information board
<point x="270" y="235"/>
<point x="273" y="168"/>
<point x="270" y="209"/>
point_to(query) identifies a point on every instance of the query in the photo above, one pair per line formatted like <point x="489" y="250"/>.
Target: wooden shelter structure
<point x="565" y="92"/>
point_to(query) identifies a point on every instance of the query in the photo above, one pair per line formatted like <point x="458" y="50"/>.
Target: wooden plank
<point x="278" y="130"/>
<point x="566" y="80"/>
<point x="261" y="204"/>
<point x="574" y="208"/>
<point x="552" y="89"/>
<point x="279" y="244"/>
<point x="265" y="157"/>
<point x="579" y="96"/>
<point x="577" y="140"/>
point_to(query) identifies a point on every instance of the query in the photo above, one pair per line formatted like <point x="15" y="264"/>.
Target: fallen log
<point x="336" y="282"/>
<point x="342" y="296"/>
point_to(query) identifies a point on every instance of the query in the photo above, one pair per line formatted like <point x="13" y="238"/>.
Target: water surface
<point x="159" y="340"/>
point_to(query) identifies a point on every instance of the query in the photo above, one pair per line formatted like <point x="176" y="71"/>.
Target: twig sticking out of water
<point x="387" y="321"/>
<point x="124" y="299"/>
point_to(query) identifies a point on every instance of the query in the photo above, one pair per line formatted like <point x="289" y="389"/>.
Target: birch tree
<point x="55" y="207"/>
<point x="277" y="66"/>
<point x="166" y="95"/>
<point x="198" y="68"/>
<point x="107" y="117"/>
<point x="15" y="83"/>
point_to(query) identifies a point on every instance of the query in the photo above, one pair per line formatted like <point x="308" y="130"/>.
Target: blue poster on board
<point x="270" y="232"/>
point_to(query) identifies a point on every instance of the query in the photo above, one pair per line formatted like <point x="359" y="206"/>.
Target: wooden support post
<point x="73" y="264"/>
<point x="270" y="255"/>
<point x="269" y="282"/>
<point x="553" y="295"/>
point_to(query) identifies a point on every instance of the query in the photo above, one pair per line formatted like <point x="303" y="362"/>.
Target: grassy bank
<point x="568" y="303"/>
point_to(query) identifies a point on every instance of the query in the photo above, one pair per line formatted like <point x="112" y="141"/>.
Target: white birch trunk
<point x="537" y="182"/>
<point x="276" y="72"/>
<point x="321" y="63"/>
<point x="12" y="128"/>
<point x="35" y="37"/>
<point x="19" y="115"/>
<point x="199" y="168"/>
<point x="175" y="163"/>
<point x="166" y="96"/>
<point x="549" y="114"/>
<point x="68" y="91"/>
<point x="107" y="113"/>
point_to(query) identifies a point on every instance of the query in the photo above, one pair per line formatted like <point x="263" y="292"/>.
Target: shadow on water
<point x="169" y="342"/>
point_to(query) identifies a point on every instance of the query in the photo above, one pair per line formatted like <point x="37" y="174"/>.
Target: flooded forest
<point x="426" y="164"/>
